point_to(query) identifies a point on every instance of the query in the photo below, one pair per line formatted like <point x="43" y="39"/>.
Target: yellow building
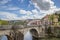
<point x="55" y="20"/>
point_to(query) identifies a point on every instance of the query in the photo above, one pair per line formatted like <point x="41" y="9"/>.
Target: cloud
<point x="42" y="8"/>
<point x="26" y="17"/>
<point x="31" y="17"/>
<point x="8" y="16"/>
<point x="30" y="4"/>
<point x="45" y="6"/>
<point x="11" y="7"/>
<point x="25" y="12"/>
<point x="2" y="2"/>
<point x="35" y="11"/>
<point x="33" y="14"/>
<point x="8" y="6"/>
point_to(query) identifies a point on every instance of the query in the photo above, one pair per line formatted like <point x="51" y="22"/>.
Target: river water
<point x="28" y="36"/>
<point x="3" y="38"/>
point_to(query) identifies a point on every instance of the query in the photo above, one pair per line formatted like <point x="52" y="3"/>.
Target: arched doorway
<point x="34" y="34"/>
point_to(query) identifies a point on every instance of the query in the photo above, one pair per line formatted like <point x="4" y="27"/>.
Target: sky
<point x="27" y="9"/>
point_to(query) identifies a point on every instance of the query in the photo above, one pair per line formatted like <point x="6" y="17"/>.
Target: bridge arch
<point x="31" y="34"/>
<point x="34" y="33"/>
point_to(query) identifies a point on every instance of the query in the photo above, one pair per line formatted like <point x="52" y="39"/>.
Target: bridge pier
<point x="16" y="36"/>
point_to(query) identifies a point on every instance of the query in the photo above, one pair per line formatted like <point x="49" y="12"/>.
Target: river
<point x="28" y="36"/>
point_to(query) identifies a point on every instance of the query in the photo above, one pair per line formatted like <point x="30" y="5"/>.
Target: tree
<point x="49" y="32"/>
<point x="51" y="17"/>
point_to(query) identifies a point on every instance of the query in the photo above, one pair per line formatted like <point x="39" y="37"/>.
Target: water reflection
<point x="4" y="38"/>
<point x="28" y="36"/>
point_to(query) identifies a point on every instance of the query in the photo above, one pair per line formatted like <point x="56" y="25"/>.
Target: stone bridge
<point x="17" y="32"/>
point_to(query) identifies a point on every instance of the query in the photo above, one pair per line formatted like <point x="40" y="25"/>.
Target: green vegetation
<point x="20" y="22"/>
<point x="53" y="18"/>
<point x="59" y="18"/>
<point x="3" y="22"/>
